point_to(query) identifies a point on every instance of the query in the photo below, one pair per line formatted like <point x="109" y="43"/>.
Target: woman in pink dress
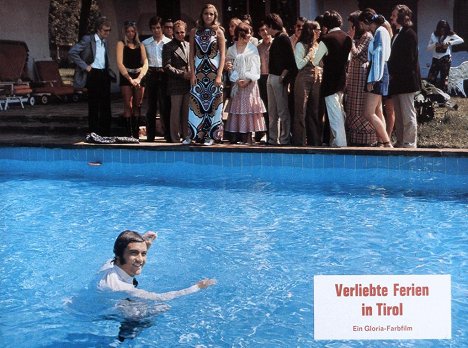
<point x="245" y="108"/>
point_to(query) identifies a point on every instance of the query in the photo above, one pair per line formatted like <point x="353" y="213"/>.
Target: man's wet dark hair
<point x="122" y="241"/>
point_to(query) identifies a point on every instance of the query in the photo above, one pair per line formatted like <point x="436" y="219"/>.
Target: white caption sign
<point x="382" y="307"/>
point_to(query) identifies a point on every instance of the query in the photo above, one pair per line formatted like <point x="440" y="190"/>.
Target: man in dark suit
<point x="175" y="57"/>
<point x="92" y="71"/>
<point x="334" y="49"/>
<point x="282" y="69"/>
<point x="156" y="81"/>
<point x="405" y="77"/>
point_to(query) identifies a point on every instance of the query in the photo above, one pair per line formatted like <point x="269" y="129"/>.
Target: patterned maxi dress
<point x="206" y="100"/>
<point x="358" y="130"/>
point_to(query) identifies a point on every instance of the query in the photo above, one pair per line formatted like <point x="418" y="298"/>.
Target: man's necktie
<point x="135" y="282"/>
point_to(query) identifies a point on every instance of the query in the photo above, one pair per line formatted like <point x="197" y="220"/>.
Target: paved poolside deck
<point x="11" y="139"/>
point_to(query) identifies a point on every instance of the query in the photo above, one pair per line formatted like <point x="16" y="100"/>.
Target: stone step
<point x="56" y="119"/>
<point x="5" y="118"/>
<point x="53" y="125"/>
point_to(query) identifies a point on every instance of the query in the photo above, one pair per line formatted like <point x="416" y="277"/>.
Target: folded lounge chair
<point x="50" y="83"/>
<point x="13" y="58"/>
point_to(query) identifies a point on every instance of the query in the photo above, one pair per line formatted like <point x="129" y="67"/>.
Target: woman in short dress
<point x="378" y="78"/>
<point x="133" y="65"/>
<point x="245" y="108"/>
<point x="207" y="54"/>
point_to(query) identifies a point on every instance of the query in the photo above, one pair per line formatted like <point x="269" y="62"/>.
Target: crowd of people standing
<point x="319" y="86"/>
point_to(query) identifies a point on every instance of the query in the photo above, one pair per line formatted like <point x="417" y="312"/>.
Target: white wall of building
<point x="310" y="8"/>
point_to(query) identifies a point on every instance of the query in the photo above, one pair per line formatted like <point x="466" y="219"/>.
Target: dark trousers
<point x="326" y="122"/>
<point x="156" y="83"/>
<point x="99" y="102"/>
<point x="307" y="127"/>
<point x="441" y="66"/>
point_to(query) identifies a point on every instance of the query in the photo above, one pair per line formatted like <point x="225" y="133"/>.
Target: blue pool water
<point x="261" y="224"/>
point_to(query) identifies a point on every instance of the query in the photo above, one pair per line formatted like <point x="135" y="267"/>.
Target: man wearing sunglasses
<point x="92" y="71"/>
<point x="168" y="28"/>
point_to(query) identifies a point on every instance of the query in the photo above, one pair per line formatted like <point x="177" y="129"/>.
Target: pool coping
<point x="76" y="142"/>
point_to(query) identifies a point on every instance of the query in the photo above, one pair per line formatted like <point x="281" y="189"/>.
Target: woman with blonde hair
<point x="207" y="53"/>
<point x="133" y="65"/>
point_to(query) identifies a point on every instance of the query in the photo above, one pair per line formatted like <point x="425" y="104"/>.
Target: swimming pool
<point x="262" y="224"/>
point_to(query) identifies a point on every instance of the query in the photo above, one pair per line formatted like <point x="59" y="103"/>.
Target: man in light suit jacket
<point x="405" y="77"/>
<point x="175" y="57"/>
<point x="92" y="71"/>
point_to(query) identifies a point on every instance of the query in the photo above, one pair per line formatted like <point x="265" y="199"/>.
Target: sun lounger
<point x="13" y="88"/>
<point x="50" y="83"/>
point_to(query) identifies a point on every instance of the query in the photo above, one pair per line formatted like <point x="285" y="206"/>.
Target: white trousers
<point x="336" y="116"/>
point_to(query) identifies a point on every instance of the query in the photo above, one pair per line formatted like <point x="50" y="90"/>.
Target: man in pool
<point x="130" y="251"/>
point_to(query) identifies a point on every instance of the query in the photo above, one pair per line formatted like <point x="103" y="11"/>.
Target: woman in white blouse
<point x="307" y="127"/>
<point x="245" y="108"/>
<point x="441" y="42"/>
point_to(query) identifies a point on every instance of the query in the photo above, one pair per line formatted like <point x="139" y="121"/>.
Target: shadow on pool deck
<point x="63" y="112"/>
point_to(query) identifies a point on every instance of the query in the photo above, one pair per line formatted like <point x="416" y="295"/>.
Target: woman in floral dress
<point x="245" y="108"/>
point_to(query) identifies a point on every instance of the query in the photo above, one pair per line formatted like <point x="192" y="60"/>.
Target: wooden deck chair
<point x="13" y="58"/>
<point x="50" y="83"/>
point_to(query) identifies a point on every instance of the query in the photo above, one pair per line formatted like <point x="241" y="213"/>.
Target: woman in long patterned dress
<point x="359" y="131"/>
<point x="245" y="108"/>
<point x="207" y="52"/>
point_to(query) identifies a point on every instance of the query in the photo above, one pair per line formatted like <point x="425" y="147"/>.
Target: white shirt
<point x="116" y="279"/>
<point x="100" y="58"/>
<point x="245" y="64"/>
<point x="154" y="51"/>
<point x="453" y="39"/>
